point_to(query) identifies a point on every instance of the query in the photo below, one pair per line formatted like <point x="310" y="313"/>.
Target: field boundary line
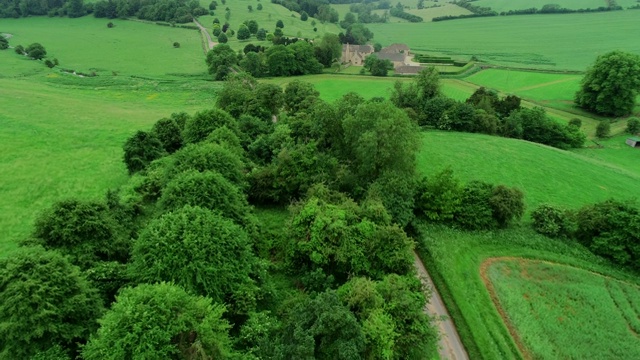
<point x="537" y="86"/>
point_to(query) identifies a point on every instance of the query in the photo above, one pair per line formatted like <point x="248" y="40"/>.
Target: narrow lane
<point x="206" y="35"/>
<point x="450" y="346"/>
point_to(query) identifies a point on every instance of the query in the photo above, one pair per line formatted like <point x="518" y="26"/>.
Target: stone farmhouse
<point x="398" y="54"/>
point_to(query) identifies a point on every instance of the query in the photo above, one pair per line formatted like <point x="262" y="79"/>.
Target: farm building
<point x="355" y="54"/>
<point x="633" y="142"/>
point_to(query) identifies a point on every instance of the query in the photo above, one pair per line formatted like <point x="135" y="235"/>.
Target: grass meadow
<point x="549" y="304"/>
<point x="87" y="45"/>
<point x="506" y="5"/>
<point x="560" y="42"/>
<point x="455" y="258"/>
<point x="544" y="174"/>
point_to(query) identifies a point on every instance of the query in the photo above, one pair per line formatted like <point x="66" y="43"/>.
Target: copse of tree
<point x="45" y="302"/>
<point x="611" y="85"/>
<point x="201" y="251"/>
<point x="328" y="49"/>
<point x="356" y="34"/>
<point x="36" y="51"/>
<point x="203" y="123"/>
<point x="220" y="59"/>
<point x="169" y="133"/>
<point x="180" y="11"/>
<point x="180" y="325"/>
<point x="207" y="156"/>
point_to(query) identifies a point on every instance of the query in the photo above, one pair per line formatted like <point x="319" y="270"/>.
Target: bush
<point x="19" y="49"/>
<point x="176" y="44"/>
<point x="110" y="25"/>
<point x="140" y="150"/>
<point x="633" y="125"/>
<point x="44" y="301"/>
<point x="476" y="211"/>
<point x="211" y="157"/>
<point x="603" y="130"/>
<point x="397" y="194"/>
<point x="553" y="221"/>
<point x="507" y="205"/>
<point x="575" y="122"/>
<point x="36" y="51"/>
<point x="4" y="43"/>
<point x="168" y="133"/>
<point x="439" y="198"/>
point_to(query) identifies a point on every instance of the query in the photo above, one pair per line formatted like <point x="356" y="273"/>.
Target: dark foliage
<point x="140" y="150"/>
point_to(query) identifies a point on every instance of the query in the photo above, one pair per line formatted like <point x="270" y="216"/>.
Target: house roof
<point x="357" y="48"/>
<point x="393" y="57"/>
<point x="408" y="69"/>
<point x="395" y="48"/>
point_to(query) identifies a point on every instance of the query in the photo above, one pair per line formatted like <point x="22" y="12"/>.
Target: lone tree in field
<point x="611" y="85"/>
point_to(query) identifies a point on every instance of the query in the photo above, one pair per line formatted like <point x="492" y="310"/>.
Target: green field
<point x="506" y="5"/>
<point x="549" y="304"/>
<point x="454" y="259"/>
<point x="87" y="45"/>
<point x="562" y="42"/>
<point x="544" y="174"/>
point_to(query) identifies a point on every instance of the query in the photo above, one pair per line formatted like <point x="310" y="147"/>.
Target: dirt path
<point x="206" y="36"/>
<point x="450" y="346"/>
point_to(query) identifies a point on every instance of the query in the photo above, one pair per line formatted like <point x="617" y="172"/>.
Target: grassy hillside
<point x="130" y="48"/>
<point x="570" y="41"/>
<point x="506" y="5"/>
<point x="62" y="136"/>
<point x="545" y="174"/>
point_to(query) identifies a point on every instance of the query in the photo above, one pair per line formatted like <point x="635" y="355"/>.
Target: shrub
<point x="211" y="157"/>
<point x="176" y="44"/>
<point x="476" y="211"/>
<point x="553" y="221"/>
<point x="603" y="129"/>
<point x="44" y="301"/>
<point x="110" y="25"/>
<point x="439" y="198"/>
<point x="507" y="204"/>
<point x="49" y="63"/>
<point x="36" y="51"/>
<point x="168" y="133"/>
<point x="397" y="194"/>
<point x="633" y="125"/>
<point x="19" y="49"/>
<point x="575" y="122"/>
<point x="4" y="43"/>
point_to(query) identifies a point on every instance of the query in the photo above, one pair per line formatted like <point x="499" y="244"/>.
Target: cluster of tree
<point x="179" y="11"/>
<point x="365" y="14"/>
<point x="357" y="34"/>
<point x="398" y="11"/>
<point x="611" y="85"/>
<point x="610" y="229"/>
<point x="377" y="67"/>
<point x="35" y="51"/>
<point x="319" y="9"/>
<point x="16" y="8"/>
<point x="483" y="112"/>
<point x="557" y="9"/>
<point x="294" y="57"/>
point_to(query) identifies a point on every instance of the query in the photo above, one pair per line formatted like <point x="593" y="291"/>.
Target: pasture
<point x="506" y="5"/>
<point x="548" y="305"/>
<point x="62" y="137"/>
<point x="455" y="258"/>
<point x="544" y="174"/>
<point x="560" y="42"/>
<point x="129" y="48"/>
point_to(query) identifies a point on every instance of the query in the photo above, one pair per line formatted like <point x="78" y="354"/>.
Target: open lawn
<point x="455" y="258"/>
<point x="87" y="45"/>
<point x="62" y="137"/>
<point x="562" y="42"/>
<point x="563" y="312"/>
<point x="615" y="153"/>
<point x="544" y="174"/>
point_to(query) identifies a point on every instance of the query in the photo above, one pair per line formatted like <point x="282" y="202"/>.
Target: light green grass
<point x="62" y="137"/>
<point x="544" y="174"/>
<point x="506" y="5"/>
<point x="570" y="41"/>
<point x="454" y="258"/>
<point x="130" y="48"/>
<point x="444" y="10"/>
<point x="615" y="153"/>
<point x="565" y="312"/>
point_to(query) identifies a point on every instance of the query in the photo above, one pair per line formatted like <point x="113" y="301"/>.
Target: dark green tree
<point x="203" y="123"/>
<point x="36" y="51"/>
<point x="85" y="230"/>
<point x="259" y="7"/>
<point x="279" y="24"/>
<point x="207" y="156"/>
<point x="633" y="125"/>
<point x="281" y="61"/>
<point x="44" y="301"/>
<point x="553" y="221"/>
<point x="261" y="34"/>
<point x="603" y="130"/>
<point x="243" y="32"/>
<point x="222" y="38"/>
<point x="169" y="134"/>
<point x="507" y="205"/>
<point x="161" y="321"/>
<point x="328" y="49"/>
<point x="254" y="64"/>
<point x="611" y="85"/>
<point x="4" y="43"/>
<point x="220" y="59"/>
<point x="299" y="96"/>
<point x="252" y="25"/>
<point x="140" y="150"/>
<point x="201" y="251"/>
<point x="304" y="16"/>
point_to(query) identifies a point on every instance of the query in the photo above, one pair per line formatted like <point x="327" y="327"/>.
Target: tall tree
<point x="44" y="301"/>
<point x="611" y="85"/>
<point x="160" y="321"/>
<point x="220" y="59"/>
